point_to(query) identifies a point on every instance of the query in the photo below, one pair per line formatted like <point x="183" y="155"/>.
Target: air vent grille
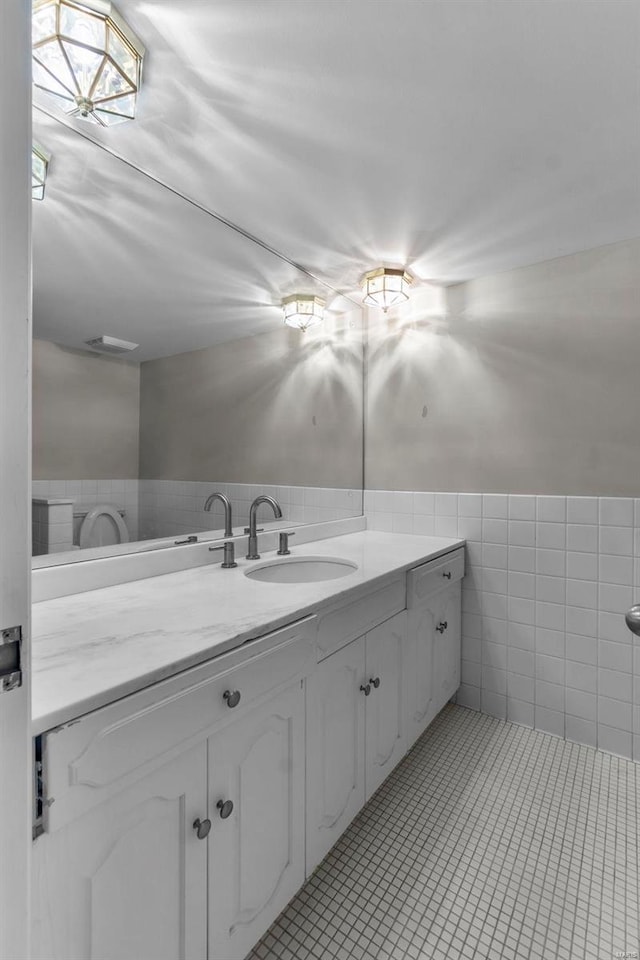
<point x="111" y="345"/>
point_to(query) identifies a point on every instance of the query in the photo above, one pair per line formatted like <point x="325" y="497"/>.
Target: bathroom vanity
<point x="196" y="769"/>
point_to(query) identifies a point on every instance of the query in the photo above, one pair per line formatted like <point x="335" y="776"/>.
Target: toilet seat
<point x="89" y="536"/>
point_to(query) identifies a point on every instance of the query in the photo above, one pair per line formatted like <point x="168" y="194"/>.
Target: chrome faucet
<point x="253" y="521"/>
<point x="228" y="526"/>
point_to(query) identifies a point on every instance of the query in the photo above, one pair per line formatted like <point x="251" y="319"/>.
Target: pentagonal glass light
<point x="39" y="168"/>
<point x="386" y="286"/>
<point x="302" y="310"/>
<point x="85" y="55"/>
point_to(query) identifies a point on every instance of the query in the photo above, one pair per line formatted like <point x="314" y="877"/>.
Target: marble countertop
<point x="92" y="648"/>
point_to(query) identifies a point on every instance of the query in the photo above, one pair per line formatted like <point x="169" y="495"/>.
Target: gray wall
<point x="523" y="382"/>
<point x="85" y="415"/>
<point x="281" y="407"/>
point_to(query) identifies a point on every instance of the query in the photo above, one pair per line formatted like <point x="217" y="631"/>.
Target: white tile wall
<point x="87" y="493"/>
<point x="548" y="582"/>
<point x="170" y="507"/>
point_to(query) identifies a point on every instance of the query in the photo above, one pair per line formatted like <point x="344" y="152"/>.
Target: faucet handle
<point x="229" y="560"/>
<point x="259" y="530"/>
<point x="283" y="549"/>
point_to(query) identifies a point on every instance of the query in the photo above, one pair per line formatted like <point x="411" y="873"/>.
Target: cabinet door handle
<point x="375" y="682"/>
<point x="225" y="807"/>
<point x="447" y="574"/>
<point x="232" y="697"/>
<point x="442" y="626"/>
<point x="366" y="688"/>
<point x="202" y="828"/>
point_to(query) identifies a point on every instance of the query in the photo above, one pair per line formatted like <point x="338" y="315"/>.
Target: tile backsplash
<point x="548" y="582"/>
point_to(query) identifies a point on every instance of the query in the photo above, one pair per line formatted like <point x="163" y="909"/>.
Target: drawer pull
<point x="225" y="807"/>
<point x="447" y="574"/>
<point x="232" y="697"/>
<point x="375" y="682"/>
<point x="366" y="688"/>
<point x="202" y="828"/>
<point x="442" y="626"/>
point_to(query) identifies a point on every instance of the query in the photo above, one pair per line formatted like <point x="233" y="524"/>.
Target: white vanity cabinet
<point x="355" y="730"/>
<point x="256" y="802"/>
<point x="127" y="880"/>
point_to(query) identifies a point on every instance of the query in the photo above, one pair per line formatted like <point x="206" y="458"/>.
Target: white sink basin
<point x="301" y="570"/>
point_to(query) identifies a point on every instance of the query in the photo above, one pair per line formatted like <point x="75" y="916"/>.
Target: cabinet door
<point x="446" y="655"/>
<point x="128" y="880"/>
<point x="256" y="853"/>
<point x="335" y="748"/>
<point x="421" y="635"/>
<point x="385" y="737"/>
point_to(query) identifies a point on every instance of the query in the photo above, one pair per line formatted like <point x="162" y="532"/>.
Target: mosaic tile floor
<point x="489" y="840"/>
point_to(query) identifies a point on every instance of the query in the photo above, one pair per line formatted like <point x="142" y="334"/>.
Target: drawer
<point x="88" y="760"/>
<point x="343" y="624"/>
<point x="430" y="577"/>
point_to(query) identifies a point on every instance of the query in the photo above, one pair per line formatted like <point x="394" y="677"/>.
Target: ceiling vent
<point x="111" y="345"/>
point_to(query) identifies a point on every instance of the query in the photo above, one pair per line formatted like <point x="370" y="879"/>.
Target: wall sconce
<point x="39" y="169"/>
<point x="385" y="287"/>
<point x="302" y="310"/>
<point x="86" y="55"/>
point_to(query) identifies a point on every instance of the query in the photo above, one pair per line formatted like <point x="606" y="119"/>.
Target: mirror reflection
<point x="163" y="371"/>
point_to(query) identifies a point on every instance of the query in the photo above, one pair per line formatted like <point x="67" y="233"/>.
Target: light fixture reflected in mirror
<point x="386" y="287"/>
<point x="85" y="55"/>
<point x="39" y="169"/>
<point x="303" y="310"/>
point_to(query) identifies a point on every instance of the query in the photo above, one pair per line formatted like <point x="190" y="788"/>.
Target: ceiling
<point x="456" y="137"/>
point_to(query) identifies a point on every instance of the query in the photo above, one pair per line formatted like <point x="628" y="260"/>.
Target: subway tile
<point x="521" y="687"/>
<point x="582" y="566"/>
<point x="552" y="509"/>
<point x="615" y="656"/>
<point x="522" y="533"/>
<point x="494" y="555"/>
<point x="522" y="507"/>
<point x="494" y="630"/>
<point x="616" y="540"/>
<point x="551" y="536"/>
<point x="616" y="511"/>
<point x="494" y="655"/>
<point x="582" y="510"/>
<point x="446" y="505"/>
<point x="470" y="528"/>
<point x="519" y="711"/>
<point x="581" y="620"/>
<point x="494" y="704"/>
<point x="582" y="537"/>
<point x="493" y="605"/>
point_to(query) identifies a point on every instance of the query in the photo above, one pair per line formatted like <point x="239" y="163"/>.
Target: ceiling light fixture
<point x="386" y="287"/>
<point x="39" y="169"/>
<point x="303" y="310"/>
<point x="85" y="55"/>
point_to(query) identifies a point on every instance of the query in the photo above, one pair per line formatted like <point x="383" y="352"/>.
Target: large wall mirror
<point x="219" y="395"/>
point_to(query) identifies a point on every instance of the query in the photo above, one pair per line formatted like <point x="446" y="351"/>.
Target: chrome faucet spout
<point x="252" y="553"/>
<point x="228" y="523"/>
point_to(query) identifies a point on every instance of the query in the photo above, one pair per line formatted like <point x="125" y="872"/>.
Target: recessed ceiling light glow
<point x="85" y="55"/>
<point x="39" y="169"/>
<point x="386" y="286"/>
<point x="303" y="310"/>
